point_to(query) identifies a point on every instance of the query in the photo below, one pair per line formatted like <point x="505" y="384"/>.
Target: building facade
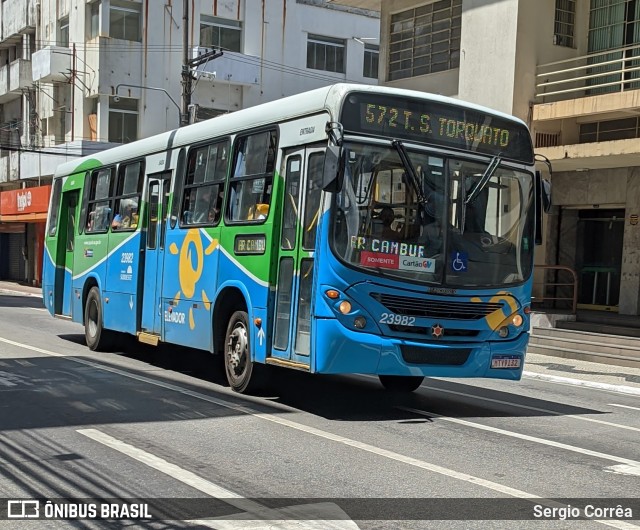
<point x="79" y="76"/>
<point x="571" y="70"/>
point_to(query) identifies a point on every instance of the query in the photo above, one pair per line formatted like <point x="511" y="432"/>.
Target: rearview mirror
<point x="333" y="169"/>
<point x="546" y="195"/>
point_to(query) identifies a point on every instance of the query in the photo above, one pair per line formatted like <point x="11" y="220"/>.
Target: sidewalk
<point x="582" y="373"/>
<point x="20" y="289"/>
<point x="556" y="369"/>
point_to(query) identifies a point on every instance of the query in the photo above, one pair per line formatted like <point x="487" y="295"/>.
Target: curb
<point x="620" y="389"/>
<point x="19" y="293"/>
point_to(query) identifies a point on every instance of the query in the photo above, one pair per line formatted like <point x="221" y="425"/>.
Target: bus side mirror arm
<point x="333" y="169"/>
<point x="542" y="204"/>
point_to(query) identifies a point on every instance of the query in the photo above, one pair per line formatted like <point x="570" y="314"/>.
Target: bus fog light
<point x="360" y="322"/>
<point x="345" y="307"/>
<point x="503" y="331"/>
<point x="517" y="321"/>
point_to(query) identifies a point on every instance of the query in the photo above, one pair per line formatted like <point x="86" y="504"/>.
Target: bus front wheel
<point x="401" y="383"/>
<point x="243" y="374"/>
<point x="96" y="336"/>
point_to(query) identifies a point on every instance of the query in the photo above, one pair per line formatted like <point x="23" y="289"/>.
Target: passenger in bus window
<point x="386" y="218"/>
<point x="203" y="203"/>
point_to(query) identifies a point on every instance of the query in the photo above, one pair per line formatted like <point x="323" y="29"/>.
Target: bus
<point x="348" y="229"/>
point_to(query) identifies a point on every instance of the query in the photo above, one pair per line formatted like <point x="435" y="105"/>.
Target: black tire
<point x="97" y="338"/>
<point x="243" y="375"/>
<point x="401" y="383"/>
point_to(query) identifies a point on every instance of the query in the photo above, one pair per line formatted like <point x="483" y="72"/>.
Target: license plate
<point x="511" y="361"/>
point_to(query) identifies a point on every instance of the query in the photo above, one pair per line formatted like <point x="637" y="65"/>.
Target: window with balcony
<point x="326" y="53"/>
<point x="220" y="33"/>
<point x="123" y="120"/>
<point x="125" y="21"/>
<point x="371" y="54"/>
<point x="63" y="32"/>
<point x="603" y="131"/>
<point x="425" y="39"/>
<point x="614" y="27"/>
<point x="564" y="23"/>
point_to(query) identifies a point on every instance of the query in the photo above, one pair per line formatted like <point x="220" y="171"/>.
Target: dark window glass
<point x="205" y="184"/>
<point x="252" y="177"/>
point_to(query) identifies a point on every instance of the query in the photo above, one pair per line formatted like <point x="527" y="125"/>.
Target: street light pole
<point x="152" y="88"/>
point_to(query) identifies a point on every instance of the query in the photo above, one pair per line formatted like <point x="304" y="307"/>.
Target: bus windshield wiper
<point x="488" y="173"/>
<point x="408" y="166"/>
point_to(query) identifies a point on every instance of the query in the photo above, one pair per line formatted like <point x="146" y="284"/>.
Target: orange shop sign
<point x="25" y="201"/>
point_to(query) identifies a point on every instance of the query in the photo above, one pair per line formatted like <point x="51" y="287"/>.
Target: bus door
<point x="66" y="245"/>
<point x="156" y="215"/>
<point x="300" y="216"/>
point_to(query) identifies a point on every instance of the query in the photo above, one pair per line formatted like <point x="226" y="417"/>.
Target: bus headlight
<point x="503" y="331"/>
<point x="345" y="307"/>
<point x="517" y="320"/>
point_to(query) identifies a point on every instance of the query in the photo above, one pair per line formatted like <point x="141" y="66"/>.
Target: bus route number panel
<point x="437" y="123"/>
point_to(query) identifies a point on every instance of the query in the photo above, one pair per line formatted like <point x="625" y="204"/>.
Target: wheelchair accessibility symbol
<point x="459" y="261"/>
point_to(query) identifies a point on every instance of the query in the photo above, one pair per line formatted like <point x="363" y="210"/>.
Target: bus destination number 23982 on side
<point x="349" y="229"/>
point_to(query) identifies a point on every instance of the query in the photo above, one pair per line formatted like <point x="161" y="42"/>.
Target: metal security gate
<point x="15" y="259"/>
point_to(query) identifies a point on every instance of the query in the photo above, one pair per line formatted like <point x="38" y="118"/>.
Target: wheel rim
<point x="237" y="351"/>
<point x="92" y="318"/>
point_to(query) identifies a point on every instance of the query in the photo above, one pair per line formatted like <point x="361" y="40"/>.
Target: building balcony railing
<point x="4" y="169"/>
<point x="20" y="76"/>
<point x="52" y="63"/>
<point x="18" y="17"/>
<point x="606" y="72"/>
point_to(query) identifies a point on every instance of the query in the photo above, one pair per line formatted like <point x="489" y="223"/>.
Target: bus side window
<point x="204" y="184"/>
<point x="251" y="183"/>
<point x="56" y="195"/>
<point x="127" y="199"/>
<point x="99" y="209"/>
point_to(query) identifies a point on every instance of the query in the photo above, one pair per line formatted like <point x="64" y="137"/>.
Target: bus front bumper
<point x="339" y="351"/>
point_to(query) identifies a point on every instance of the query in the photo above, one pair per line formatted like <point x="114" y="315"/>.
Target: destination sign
<point x="250" y="244"/>
<point x="436" y="123"/>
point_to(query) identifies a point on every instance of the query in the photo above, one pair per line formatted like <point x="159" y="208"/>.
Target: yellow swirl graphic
<point x="188" y="275"/>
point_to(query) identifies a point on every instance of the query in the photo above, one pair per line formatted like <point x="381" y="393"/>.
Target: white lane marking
<point x="39" y="309"/>
<point x="528" y="407"/>
<point x="623" y="406"/>
<point x="551" y="443"/>
<point x="623" y="469"/>
<point x="620" y="389"/>
<point x="500" y="488"/>
<point x="251" y="508"/>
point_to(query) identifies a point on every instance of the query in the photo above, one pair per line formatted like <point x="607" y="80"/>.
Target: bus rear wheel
<point x="243" y="374"/>
<point x="401" y="383"/>
<point x="97" y="338"/>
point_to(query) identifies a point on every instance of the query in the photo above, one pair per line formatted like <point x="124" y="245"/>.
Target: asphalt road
<point x="159" y="426"/>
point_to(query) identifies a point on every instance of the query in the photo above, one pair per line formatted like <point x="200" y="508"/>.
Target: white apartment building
<point x="571" y="70"/>
<point x="79" y="75"/>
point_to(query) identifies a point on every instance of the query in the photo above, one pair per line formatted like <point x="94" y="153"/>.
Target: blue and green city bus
<point x="349" y="229"/>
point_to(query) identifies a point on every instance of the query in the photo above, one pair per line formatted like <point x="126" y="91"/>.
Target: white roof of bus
<point x="325" y="98"/>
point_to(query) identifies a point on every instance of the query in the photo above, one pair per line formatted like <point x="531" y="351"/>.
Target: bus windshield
<point x="434" y="219"/>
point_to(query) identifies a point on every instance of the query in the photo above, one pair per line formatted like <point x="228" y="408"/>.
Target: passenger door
<point x="66" y="245"/>
<point x="300" y="217"/>
<point x="156" y="216"/>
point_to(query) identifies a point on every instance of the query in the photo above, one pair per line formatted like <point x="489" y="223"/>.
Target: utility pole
<point x="188" y="64"/>
<point x="186" y="71"/>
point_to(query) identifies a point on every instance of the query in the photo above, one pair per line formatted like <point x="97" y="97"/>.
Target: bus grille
<point x="429" y="308"/>
<point x="438" y="356"/>
<point x="421" y="330"/>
